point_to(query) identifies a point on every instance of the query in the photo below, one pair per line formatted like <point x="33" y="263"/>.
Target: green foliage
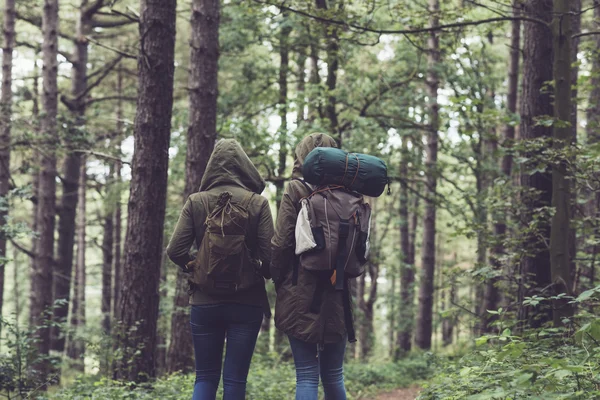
<point x="546" y="363"/>
<point x="269" y="379"/>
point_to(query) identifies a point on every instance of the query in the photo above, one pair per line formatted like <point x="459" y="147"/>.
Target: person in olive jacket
<point x="295" y="290"/>
<point x="237" y="316"/>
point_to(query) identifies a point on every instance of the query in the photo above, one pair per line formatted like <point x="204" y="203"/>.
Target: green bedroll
<point x="361" y="173"/>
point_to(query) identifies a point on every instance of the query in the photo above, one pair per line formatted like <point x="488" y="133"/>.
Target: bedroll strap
<point x="315" y="305"/>
<point x="348" y="313"/>
<point x="342" y="255"/>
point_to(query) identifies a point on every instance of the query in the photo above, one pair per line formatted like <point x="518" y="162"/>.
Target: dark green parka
<point x="229" y="169"/>
<point x="294" y="295"/>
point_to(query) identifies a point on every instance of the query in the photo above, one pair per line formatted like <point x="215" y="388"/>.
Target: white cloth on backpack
<point x="305" y="241"/>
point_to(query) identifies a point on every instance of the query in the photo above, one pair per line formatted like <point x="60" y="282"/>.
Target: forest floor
<point x="409" y="393"/>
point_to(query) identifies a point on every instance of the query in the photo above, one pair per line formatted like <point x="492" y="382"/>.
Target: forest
<point x="482" y="278"/>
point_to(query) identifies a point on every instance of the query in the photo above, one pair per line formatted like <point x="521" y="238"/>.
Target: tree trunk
<point x="592" y="130"/>
<point x="407" y="268"/>
<point x="492" y="292"/>
<point x="424" y="317"/>
<point x="301" y="86"/>
<point x="138" y="307"/>
<point x="201" y="136"/>
<point x="449" y="321"/>
<point x="76" y="345"/>
<point x="41" y="277"/>
<point x="562" y="138"/>
<point x="70" y="177"/>
<point x="161" y="341"/>
<point x="314" y="99"/>
<point x="107" y="254"/>
<point x="35" y="179"/>
<point x="5" y="128"/>
<point x="117" y="214"/>
<point x="536" y="102"/>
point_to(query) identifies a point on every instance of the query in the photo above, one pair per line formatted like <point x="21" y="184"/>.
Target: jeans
<point x="211" y="324"/>
<point x="310" y="362"/>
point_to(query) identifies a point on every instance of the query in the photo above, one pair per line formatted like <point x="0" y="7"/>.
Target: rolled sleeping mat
<point x="361" y="173"/>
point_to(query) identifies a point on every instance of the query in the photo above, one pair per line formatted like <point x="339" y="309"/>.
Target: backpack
<point x="332" y="242"/>
<point x="224" y="263"/>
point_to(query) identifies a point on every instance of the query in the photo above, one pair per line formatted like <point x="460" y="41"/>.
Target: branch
<point x="121" y="52"/>
<point x="36" y="21"/>
<point x="583" y="34"/>
<point x="111" y="22"/>
<point x="109" y="98"/>
<point x="22" y="249"/>
<point x="101" y="155"/>
<point x="428" y="29"/>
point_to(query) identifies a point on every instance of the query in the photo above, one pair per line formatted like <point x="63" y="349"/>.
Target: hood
<point x="229" y="165"/>
<point x="307" y="145"/>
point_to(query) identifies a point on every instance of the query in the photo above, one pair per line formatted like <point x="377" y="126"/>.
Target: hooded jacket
<point x="228" y="169"/>
<point x="295" y="286"/>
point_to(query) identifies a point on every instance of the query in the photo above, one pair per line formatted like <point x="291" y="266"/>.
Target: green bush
<point x="545" y="364"/>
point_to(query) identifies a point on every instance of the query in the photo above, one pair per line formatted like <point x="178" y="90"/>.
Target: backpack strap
<point x="342" y="254"/>
<point x="348" y="319"/>
<point x="306" y="185"/>
<point x="246" y="200"/>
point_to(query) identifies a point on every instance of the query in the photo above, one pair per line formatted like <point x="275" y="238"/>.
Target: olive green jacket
<point x="229" y="169"/>
<point x="295" y="293"/>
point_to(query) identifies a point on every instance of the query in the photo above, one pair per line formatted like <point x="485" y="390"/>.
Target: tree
<point x="424" y="316"/>
<point x="5" y="130"/>
<point x="201" y="136"/>
<point x="562" y="137"/>
<point x="536" y="186"/>
<point x="41" y="276"/>
<point x="76" y="345"/>
<point x="138" y="307"/>
<point x="492" y="291"/>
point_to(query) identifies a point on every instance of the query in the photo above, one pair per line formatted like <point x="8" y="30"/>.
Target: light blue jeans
<point x="310" y="363"/>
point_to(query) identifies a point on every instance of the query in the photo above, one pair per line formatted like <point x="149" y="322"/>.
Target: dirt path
<point x="409" y="393"/>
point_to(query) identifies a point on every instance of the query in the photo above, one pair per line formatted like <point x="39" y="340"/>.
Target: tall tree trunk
<point x="449" y="322"/>
<point x="333" y="48"/>
<point x="76" y="345"/>
<point x="138" y="307"/>
<point x="314" y="99"/>
<point x="424" y="316"/>
<point x="35" y="183"/>
<point x="301" y="86"/>
<point x="407" y="268"/>
<point x="70" y="177"/>
<point x="284" y="36"/>
<point x="492" y="292"/>
<point x="592" y="130"/>
<point x="107" y="252"/>
<point x="536" y="102"/>
<point x="41" y="277"/>
<point x="5" y="128"/>
<point x="562" y="135"/>
<point x="117" y="214"/>
<point x="201" y="136"/>
<point x="161" y="340"/>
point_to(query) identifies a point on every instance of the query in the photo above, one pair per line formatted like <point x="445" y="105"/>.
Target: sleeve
<point x="183" y="237"/>
<point x="283" y="243"/>
<point x="265" y="234"/>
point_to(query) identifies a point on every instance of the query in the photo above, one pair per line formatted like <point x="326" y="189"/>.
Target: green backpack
<point x="224" y="263"/>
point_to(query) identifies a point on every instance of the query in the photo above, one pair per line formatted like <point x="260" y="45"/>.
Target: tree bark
<point x="424" y="316"/>
<point x="301" y="86"/>
<point x="107" y="254"/>
<point x="70" y="177"/>
<point x="117" y="214"/>
<point x="492" y="292"/>
<point x="592" y="130"/>
<point x="35" y="183"/>
<point x="138" y="307"/>
<point x="407" y="268"/>
<point x="284" y="66"/>
<point x="76" y="345"/>
<point x="536" y="102"/>
<point x="5" y="129"/>
<point x="201" y="136"/>
<point x="562" y="135"/>
<point x="41" y="277"/>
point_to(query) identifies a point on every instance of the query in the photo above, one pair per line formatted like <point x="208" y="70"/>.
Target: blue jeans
<point x="211" y="324"/>
<point x="310" y="362"/>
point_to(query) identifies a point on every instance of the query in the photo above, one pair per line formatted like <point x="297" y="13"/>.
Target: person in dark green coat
<point x="295" y="289"/>
<point x="237" y="316"/>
